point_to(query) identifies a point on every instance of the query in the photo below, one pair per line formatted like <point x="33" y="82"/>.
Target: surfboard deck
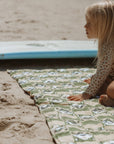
<point x="47" y="49"/>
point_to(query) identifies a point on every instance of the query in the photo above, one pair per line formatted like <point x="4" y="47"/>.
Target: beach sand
<point x="20" y="120"/>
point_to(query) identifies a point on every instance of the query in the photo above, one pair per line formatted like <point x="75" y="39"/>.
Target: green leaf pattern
<point x="70" y="122"/>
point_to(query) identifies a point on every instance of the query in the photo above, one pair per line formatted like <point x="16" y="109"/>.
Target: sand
<point x="20" y="120"/>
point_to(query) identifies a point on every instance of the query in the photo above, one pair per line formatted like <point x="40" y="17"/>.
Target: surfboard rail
<point x="47" y="49"/>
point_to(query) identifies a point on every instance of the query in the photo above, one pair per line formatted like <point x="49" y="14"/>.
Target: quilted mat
<point x="70" y="122"/>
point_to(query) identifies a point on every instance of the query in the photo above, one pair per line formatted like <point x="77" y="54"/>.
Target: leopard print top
<point x="105" y="68"/>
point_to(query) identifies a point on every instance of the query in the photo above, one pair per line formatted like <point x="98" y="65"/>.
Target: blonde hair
<point x="102" y="14"/>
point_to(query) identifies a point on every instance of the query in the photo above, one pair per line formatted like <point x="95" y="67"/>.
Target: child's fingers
<point x="75" y="98"/>
<point x="87" y="81"/>
<point x="71" y="97"/>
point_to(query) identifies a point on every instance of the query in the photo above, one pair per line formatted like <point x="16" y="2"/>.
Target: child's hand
<point x="87" y="81"/>
<point x="79" y="97"/>
<point x="76" y="98"/>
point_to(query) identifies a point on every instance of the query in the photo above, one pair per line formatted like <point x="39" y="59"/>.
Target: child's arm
<point x="103" y="70"/>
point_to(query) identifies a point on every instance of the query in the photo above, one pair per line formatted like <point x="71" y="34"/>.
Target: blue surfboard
<point x="47" y="49"/>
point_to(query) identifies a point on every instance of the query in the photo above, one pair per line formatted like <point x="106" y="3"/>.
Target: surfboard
<point x="47" y="49"/>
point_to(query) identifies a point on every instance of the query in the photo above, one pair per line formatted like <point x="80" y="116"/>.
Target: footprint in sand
<point x="4" y="124"/>
<point x="8" y="99"/>
<point x="6" y="86"/>
<point x="25" y="129"/>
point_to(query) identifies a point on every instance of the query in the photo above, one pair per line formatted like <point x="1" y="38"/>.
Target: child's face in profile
<point x="90" y="29"/>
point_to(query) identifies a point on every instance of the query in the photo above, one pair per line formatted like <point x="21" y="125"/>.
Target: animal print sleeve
<point x="103" y="70"/>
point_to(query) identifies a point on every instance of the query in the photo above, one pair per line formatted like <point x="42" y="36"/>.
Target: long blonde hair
<point x="102" y="14"/>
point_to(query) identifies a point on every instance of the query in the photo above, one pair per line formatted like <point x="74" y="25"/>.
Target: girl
<point x="100" y="25"/>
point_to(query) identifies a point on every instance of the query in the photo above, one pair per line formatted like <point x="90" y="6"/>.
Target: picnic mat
<point x="70" y="122"/>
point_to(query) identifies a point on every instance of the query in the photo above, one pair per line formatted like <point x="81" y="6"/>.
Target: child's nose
<point x="85" y="26"/>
